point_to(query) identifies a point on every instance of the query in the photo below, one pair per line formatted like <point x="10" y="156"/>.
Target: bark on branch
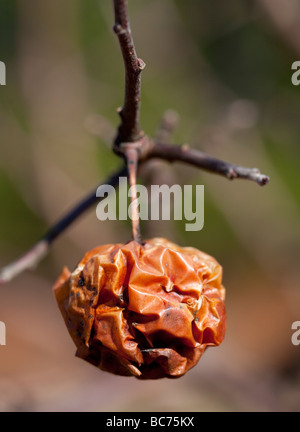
<point x="172" y="153"/>
<point x="129" y="130"/>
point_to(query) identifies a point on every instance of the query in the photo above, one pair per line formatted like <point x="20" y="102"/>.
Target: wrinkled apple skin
<point x="145" y="310"/>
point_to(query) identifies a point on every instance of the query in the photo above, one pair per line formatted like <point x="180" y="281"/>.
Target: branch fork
<point x="135" y="148"/>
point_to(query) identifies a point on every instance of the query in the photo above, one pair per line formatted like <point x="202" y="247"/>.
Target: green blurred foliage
<point x="225" y="67"/>
<point x="201" y="57"/>
<point x="8" y="29"/>
<point x="26" y="223"/>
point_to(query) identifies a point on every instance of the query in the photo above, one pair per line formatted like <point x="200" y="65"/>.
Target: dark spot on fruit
<point x="81" y="282"/>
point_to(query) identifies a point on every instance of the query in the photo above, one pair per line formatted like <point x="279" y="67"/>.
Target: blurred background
<point x="225" y="68"/>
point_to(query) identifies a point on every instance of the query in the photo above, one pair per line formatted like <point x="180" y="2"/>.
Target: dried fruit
<point x="146" y="310"/>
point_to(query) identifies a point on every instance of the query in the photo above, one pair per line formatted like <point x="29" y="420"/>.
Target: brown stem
<point x="172" y="153"/>
<point x="132" y="157"/>
<point x="129" y="130"/>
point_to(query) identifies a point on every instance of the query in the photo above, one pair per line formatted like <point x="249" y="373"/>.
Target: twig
<point x="27" y="261"/>
<point x="172" y="153"/>
<point x="129" y="130"/>
<point x="33" y="257"/>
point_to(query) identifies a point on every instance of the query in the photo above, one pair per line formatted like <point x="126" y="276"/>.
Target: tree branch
<point x="135" y="147"/>
<point x="167" y="152"/>
<point x="172" y="153"/>
<point x="129" y="130"/>
<point x="33" y="257"/>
